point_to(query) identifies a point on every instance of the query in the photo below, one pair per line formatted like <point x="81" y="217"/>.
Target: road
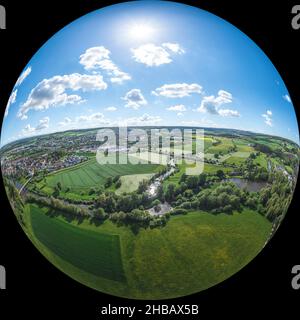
<point x="24" y="185"/>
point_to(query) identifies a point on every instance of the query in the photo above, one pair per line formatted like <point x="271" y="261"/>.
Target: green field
<point x="224" y="146"/>
<point x="150" y="245"/>
<point x="241" y="154"/>
<point x="91" y="174"/>
<point x="261" y="160"/>
<point x="273" y="144"/>
<point x="130" y="183"/>
<point x="190" y="254"/>
<point x="208" y="141"/>
<point x="243" y="145"/>
<point x="245" y="148"/>
<point x="235" y="160"/>
<point x="208" y="168"/>
<point x="212" y="168"/>
<point x="95" y="252"/>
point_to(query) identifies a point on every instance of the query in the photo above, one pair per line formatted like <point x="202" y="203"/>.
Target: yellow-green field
<point x="78" y="180"/>
<point x="190" y="254"/>
<point x="130" y="183"/>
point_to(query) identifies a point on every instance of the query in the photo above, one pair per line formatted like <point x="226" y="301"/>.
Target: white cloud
<point x="43" y="124"/>
<point x="177" y="90"/>
<point x="152" y="55"/>
<point x="98" y="117"/>
<point x="111" y="109"/>
<point x="93" y="57"/>
<point x="143" y="120"/>
<point x="180" y="114"/>
<point x="52" y="92"/>
<point x="199" y="123"/>
<point x="287" y="98"/>
<point x="228" y="113"/>
<point x="65" y="122"/>
<point x="174" y="47"/>
<point x="23" y="76"/>
<point x="99" y="120"/>
<point x="212" y="104"/>
<point x="134" y="99"/>
<point x="269" y="112"/>
<point x="28" y="129"/>
<point x="178" y="108"/>
<point x="94" y="120"/>
<point x="268" y="118"/>
<point x="12" y="99"/>
<point x="85" y="121"/>
<point x="99" y="58"/>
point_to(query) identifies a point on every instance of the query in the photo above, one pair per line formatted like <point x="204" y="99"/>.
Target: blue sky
<point x="149" y="63"/>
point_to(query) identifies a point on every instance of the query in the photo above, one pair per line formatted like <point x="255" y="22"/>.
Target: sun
<point x="141" y="31"/>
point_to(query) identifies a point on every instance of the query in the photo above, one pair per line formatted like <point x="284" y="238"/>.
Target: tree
<point x="252" y="155"/>
<point x="115" y="179"/>
<point x="143" y="185"/>
<point x="251" y="203"/>
<point x="156" y="202"/>
<point x="170" y="192"/>
<point x="235" y="202"/>
<point x="182" y="187"/>
<point x="124" y="203"/>
<point x="108" y="182"/>
<point x="220" y="174"/>
<point x="188" y="193"/>
<point x="59" y="185"/>
<point x="92" y="191"/>
<point x="100" y="214"/>
<point x="177" y="211"/>
<point x="223" y="199"/>
<point x="183" y="178"/>
<point x="107" y="202"/>
<point x="227" y="208"/>
<point x="156" y="205"/>
<point x="118" y="184"/>
<point x="110" y="203"/>
<point x="202" y="179"/>
<point x="160" y="193"/>
<point x="55" y="192"/>
<point x="192" y="182"/>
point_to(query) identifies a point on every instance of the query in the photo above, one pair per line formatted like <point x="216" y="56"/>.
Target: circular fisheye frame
<point x="150" y="150"/>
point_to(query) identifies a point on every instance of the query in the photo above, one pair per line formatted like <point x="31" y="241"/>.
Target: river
<point x="153" y="187"/>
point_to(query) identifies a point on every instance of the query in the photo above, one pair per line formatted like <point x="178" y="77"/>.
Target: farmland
<point x="96" y="253"/>
<point x="224" y="145"/>
<point x="158" y="263"/>
<point x="81" y="178"/>
<point x="150" y="230"/>
<point x="130" y="183"/>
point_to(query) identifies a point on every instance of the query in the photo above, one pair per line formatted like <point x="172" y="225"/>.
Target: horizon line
<point x="183" y="126"/>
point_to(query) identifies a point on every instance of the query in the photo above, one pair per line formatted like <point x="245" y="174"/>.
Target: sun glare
<point x="141" y="31"/>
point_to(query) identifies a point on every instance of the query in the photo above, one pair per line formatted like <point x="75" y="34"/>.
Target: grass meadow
<point x="190" y="254"/>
